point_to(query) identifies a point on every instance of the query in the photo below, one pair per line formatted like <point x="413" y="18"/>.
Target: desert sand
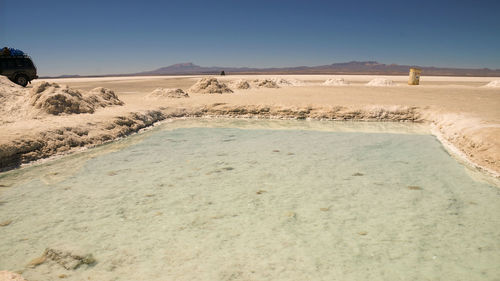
<point x="462" y="112"/>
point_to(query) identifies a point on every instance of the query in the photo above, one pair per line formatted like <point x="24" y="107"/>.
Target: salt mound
<point x="276" y="82"/>
<point x="380" y="82"/>
<point x="7" y="86"/>
<point x="493" y="84"/>
<point x="287" y="82"/>
<point x="210" y="86"/>
<point x="9" y="90"/>
<point x="55" y="99"/>
<point x="17" y="102"/>
<point x="168" y="93"/>
<point x="103" y="97"/>
<point x="11" y="96"/>
<point x="266" y="83"/>
<point x="240" y="84"/>
<point x="335" y="82"/>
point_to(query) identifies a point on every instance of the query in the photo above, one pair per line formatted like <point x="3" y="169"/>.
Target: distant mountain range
<point x="353" y="67"/>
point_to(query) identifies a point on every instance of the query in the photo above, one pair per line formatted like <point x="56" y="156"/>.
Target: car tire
<point x="21" y="80"/>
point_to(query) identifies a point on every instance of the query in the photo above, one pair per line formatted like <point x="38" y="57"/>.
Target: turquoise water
<point x="256" y="200"/>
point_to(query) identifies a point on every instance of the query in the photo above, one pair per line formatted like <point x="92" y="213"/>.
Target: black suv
<point x="19" y="69"/>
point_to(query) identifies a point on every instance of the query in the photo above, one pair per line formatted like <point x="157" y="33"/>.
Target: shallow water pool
<point x="256" y="200"/>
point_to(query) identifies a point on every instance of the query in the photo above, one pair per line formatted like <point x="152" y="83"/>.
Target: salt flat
<point x="461" y="111"/>
<point x="269" y="200"/>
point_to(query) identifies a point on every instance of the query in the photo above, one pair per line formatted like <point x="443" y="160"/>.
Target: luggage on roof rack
<point x="5" y="52"/>
<point x="16" y="52"/>
<point x="12" y="52"/>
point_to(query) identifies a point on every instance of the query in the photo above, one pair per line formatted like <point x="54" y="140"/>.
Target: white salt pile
<point x="55" y="99"/>
<point x="335" y="82"/>
<point x="493" y="84"/>
<point x="287" y="82"/>
<point x="266" y="83"/>
<point x="7" y="87"/>
<point x="210" y="86"/>
<point x="103" y="97"/>
<point x="17" y="102"/>
<point x="11" y="97"/>
<point x="240" y="84"/>
<point x="380" y="82"/>
<point x="276" y="82"/>
<point x="168" y="93"/>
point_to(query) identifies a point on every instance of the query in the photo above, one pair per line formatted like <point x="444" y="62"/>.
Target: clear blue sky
<point x="99" y="37"/>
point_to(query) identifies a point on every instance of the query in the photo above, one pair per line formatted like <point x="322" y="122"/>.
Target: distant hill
<point x="190" y="68"/>
<point x="353" y="67"/>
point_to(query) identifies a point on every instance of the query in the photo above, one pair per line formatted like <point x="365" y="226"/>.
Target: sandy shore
<point x="462" y="113"/>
